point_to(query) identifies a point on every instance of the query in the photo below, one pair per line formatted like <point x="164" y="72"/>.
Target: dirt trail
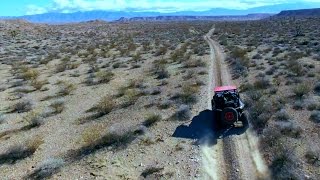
<point x="235" y="156"/>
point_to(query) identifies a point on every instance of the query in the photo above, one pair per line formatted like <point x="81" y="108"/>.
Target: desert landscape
<point x="132" y="100"/>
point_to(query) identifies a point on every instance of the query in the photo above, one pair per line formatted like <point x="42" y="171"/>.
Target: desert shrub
<point x="188" y="95"/>
<point x="162" y="73"/>
<point x="20" y="152"/>
<point x="298" y="105"/>
<point x="315" y="116"/>
<point x="30" y="74"/>
<point x="57" y="106"/>
<point x="161" y="51"/>
<point x="152" y="119"/>
<point x="46" y="169"/>
<point x="21" y="107"/>
<point x="282" y="115"/>
<point x="261" y="121"/>
<point x="283" y="166"/>
<point x="301" y="89"/>
<point x="296" y="67"/>
<point x="66" y="88"/>
<point x="115" y="141"/>
<point x="151" y="170"/>
<point x="271" y="71"/>
<point x="257" y="56"/>
<point x="155" y="91"/>
<point x="104" y="76"/>
<point x="183" y="113"/>
<point x="34" y="119"/>
<point x="104" y="106"/>
<point x="261" y="83"/>
<point x="313" y="106"/>
<point x="121" y="91"/>
<point x="289" y="129"/>
<point x="189" y="75"/>
<point x="317" y="88"/>
<point x="238" y="67"/>
<point x="237" y="52"/>
<point x="165" y="104"/>
<point x="116" y="65"/>
<point x="192" y="63"/>
<point x="38" y="84"/>
<point x="313" y="158"/>
<point x="131" y="96"/>
<point x="91" y="134"/>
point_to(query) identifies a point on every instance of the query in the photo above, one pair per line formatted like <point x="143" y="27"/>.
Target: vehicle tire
<point x="244" y="120"/>
<point x="229" y="116"/>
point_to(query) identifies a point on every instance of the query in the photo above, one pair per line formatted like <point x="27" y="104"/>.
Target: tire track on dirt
<point x="212" y="157"/>
<point x="241" y="154"/>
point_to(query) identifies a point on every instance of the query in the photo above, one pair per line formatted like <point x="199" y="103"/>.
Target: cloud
<point x="150" y="5"/>
<point x="32" y="9"/>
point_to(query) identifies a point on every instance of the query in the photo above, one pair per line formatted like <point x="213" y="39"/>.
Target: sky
<point x="29" y="7"/>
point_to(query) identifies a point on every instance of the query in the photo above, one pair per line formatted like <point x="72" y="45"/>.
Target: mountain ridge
<point x="56" y="17"/>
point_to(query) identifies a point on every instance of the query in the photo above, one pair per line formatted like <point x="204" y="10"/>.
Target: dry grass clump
<point x="313" y="157"/>
<point x="21" y="107"/>
<point x="57" y="106"/>
<point x="183" y="113"/>
<point x="152" y="119"/>
<point x="46" y="169"/>
<point x="315" y="116"/>
<point x="30" y="74"/>
<point x="301" y="89"/>
<point x="166" y="104"/>
<point x="192" y="63"/>
<point x="104" y="106"/>
<point x="130" y="97"/>
<point x="33" y="119"/>
<point x="95" y="138"/>
<point x="38" y="84"/>
<point x="20" y="152"/>
<point x="104" y="76"/>
<point x="65" y="88"/>
<point x="188" y="95"/>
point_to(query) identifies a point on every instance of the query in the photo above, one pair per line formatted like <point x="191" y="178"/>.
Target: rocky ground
<point x="100" y="100"/>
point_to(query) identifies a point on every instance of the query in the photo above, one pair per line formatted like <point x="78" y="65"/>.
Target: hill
<point x="301" y="12"/>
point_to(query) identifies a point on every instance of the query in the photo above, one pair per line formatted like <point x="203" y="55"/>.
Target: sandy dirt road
<point x="233" y="154"/>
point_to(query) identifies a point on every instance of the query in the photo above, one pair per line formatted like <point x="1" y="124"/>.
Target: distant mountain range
<point x="116" y="15"/>
<point x="195" y="18"/>
<point x="301" y="12"/>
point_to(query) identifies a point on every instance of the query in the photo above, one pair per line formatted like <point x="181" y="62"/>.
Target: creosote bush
<point x="104" y="106"/>
<point x="301" y="89"/>
<point x="22" y="106"/>
<point x="183" y="113"/>
<point x="152" y="119"/>
<point x="104" y="76"/>
<point x="66" y="88"/>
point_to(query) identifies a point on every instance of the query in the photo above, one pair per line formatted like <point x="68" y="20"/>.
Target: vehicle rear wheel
<point x="229" y="116"/>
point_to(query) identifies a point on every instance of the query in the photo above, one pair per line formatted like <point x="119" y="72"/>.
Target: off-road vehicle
<point x="228" y="108"/>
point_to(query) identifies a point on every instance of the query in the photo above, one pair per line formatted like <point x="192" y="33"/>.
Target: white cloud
<point x="151" y="5"/>
<point x="32" y="9"/>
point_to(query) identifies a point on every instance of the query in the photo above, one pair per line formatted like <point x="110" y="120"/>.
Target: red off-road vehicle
<point x="228" y="107"/>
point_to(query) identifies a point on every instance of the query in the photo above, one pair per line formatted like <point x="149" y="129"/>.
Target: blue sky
<point x="28" y="7"/>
